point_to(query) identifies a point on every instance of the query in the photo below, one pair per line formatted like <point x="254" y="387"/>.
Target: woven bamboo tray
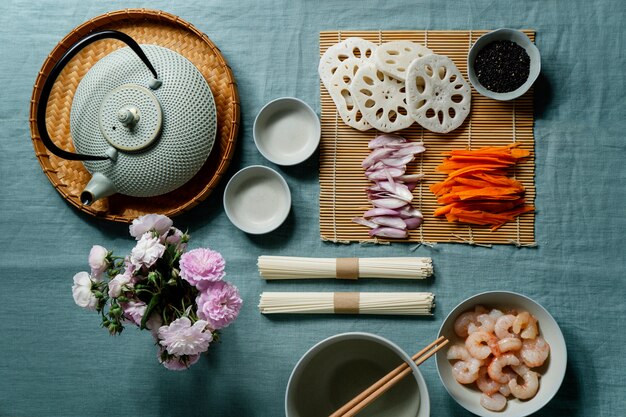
<point x="150" y="27"/>
<point x="490" y="123"/>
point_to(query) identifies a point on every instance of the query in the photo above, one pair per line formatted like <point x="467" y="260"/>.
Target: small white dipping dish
<point x="336" y="369"/>
<point x="552" y="371"/>
<point x="286" y="131"/>
<point x="257" y="199"/>
<point x="505" y="34"/>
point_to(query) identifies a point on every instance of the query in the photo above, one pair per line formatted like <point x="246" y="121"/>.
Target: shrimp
<point x="530" y="386"/>
<point x="480" y="309"/>
<point x="505" y="390"/>
<point x="487" y="324"/>
<point x="458" y="352"/>
<point x="466" y="372"/>
<point x="496" y="366"/>
<point x="477" y="344"/>
<point x="493" y="402"/>
<point x="534" y="352"/>
<point x="486" y="384"/>
<point x="525" y="325"/>
<point x="503" y="324"/>
<point x="463" y="321"/>
<point x="509" y="344"/>
<point x="496" y="314"/>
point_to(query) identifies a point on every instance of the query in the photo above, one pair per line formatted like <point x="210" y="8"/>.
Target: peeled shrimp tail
<point x="530" y="386"/>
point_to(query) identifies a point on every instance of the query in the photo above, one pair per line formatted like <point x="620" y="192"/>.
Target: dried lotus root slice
<point x="381" y="98"/>
<point x="394" y="58"/>
<point x="339" y="90"/>
<point x="349" y="48"/>
<point x="438" y="96"/>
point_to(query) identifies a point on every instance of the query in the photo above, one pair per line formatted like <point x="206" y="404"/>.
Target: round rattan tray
<point x="149" y="27"/>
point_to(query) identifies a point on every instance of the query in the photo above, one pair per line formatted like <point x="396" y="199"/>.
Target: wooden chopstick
<point x="381" y="386"/>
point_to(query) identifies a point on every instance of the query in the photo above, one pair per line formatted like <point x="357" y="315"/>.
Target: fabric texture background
<point x="56" y="361"/>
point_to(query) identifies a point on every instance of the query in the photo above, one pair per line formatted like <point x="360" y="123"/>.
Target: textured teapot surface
<point x="159" y="134"/>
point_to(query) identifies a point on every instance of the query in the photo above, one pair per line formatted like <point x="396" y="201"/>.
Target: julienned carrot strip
<point x="450" y="166"/>
<point x="498" y="179"/>
<point x="486" y="192"/>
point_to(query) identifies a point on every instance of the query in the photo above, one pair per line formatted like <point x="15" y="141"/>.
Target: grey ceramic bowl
<point x="286" y="131"/>
<point x="338" y="368"/>
<point x="552" y="372"/>
<point x="519" y="38"/>
<point x="257" y="199"/>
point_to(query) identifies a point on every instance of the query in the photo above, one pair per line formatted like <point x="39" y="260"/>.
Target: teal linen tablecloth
<point x="56" y="361"/>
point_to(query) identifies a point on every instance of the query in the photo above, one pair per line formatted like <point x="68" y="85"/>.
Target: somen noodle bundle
<point x="390" y="303"/>
<point x="290" y="267"/>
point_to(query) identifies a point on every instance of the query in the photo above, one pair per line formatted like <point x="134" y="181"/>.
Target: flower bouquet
<point x="179" y="295"/>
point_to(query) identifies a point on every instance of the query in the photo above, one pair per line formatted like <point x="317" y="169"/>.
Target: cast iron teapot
<point x="143" y="119"/>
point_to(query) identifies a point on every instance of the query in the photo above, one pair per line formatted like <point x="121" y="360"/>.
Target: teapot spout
<point x="98" y="187"/>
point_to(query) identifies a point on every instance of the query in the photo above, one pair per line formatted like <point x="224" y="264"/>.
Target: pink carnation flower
<point x="202" y="266"/>
<point x="219" y="304"/>
<point x="175" y="238"/>
<point x="183" y="338"/>
<point x="147" y="251"/>
<point x="176" y="363"/>
<point x="98" y="262"/>
<point x="157" y="222"/>
<point x="134" y="311"/>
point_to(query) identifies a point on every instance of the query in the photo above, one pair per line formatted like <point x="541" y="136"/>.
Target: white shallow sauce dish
<point x="286" y="131"/>
<point x="552" y="372"/>
<point x="257" y="199"/>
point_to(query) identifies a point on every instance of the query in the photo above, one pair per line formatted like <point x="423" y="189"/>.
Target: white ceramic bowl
<point x="286" y="131"/>
<point x="338" y="368"/>
<point x="552" y="372"/>
<point x="519" y="38"/>
<point x="257" y="199"/>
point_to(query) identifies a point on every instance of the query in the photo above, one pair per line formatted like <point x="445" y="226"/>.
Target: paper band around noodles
<point x="381" y="98"/>
<point x="347" y="268"/>
<point x="438" y="96"/>
<point x="349" y="48"/>
<point x="394" y="58"/>
<point x="346" y="302"/>
<point x="339" y="90"/>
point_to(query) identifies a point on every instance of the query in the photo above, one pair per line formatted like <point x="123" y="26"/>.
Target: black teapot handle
<point x="54" y="73"/>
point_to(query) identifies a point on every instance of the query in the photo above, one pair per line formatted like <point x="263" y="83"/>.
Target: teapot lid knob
<point x="130" y="127"/>
<point x="128" y="116"/>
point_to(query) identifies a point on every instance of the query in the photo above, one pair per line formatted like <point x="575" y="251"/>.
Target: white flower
<point x="181" y="338"/>
<point x="157" y="222"/>
<point x="116" y="284"/>
<point x="81" y="291"/>
<point x="147" y="251"/>
<point x="98" y="261"/>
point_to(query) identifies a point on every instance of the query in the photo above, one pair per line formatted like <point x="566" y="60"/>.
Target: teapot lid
<point x="159" y="131"/>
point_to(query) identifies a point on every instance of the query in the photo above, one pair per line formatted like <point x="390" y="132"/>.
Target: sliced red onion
<point x="398" y="189"/>
<point x="364" y="222"/>
<point x="390" y="203"/>
<point x="413" y="222"/>
<point x="410" y="177"/>
<point x="409" y="150"/>
<point x="382" y="174"/>
<point x="395" y="222"/>
<point x="397" y="161"/>
<point x="388" y="232"/>
<point x="411" y="185"/>
<point x="378" y="211"/>
<point x="408" y="212"/>
<point x="382" y="140"/>
<point x="375" y="156"/>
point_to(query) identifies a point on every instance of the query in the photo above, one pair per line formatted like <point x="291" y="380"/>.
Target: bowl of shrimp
<point x="507" y="355"/>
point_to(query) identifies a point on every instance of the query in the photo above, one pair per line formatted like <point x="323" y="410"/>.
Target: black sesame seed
<point x="502" y="66"/>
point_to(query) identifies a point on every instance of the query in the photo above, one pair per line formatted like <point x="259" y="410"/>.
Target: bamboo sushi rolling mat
<point x="490" y="123"/>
